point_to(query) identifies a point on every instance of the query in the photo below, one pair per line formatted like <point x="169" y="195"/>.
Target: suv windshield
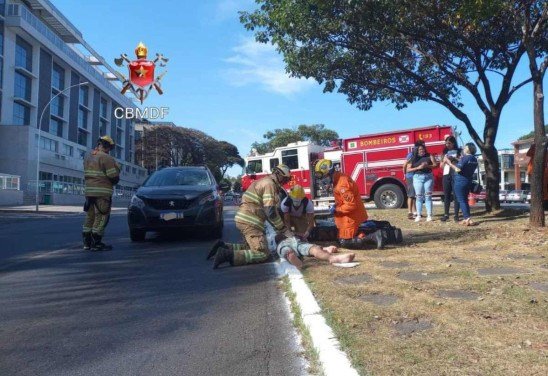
<point x="178" y="177"/>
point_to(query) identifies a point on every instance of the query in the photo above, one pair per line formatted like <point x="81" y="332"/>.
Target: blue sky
<point x="221" y="82"/>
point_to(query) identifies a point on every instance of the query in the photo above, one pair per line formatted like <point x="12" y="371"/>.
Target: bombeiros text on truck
<point x="373" y="161"/>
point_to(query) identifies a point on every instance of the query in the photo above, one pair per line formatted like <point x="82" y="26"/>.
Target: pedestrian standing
<point x="421" y="166"/>
<point x="408" y="175"/>
<point x="452" y="153"/>
<point x="101" y="173"/>
<point x="465" y="169"/>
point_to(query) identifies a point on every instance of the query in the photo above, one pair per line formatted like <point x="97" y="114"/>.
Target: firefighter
<point x="298" y="212"/>
<point x="348" y="210"/>
<point x="260" y="203"/>
<point x="101" y="173"/>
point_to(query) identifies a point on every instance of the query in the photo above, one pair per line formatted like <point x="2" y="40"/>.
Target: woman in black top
<point x="421" y="166"/>
<point x="453" y="154"/>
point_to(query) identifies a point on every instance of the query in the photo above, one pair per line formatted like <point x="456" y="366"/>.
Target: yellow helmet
<point x="107" y="139"/>
<point x="323" y="168"/>
<point x="296" y="193"/>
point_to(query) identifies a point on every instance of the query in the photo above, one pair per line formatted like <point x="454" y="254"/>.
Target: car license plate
<point x="171" y="215"/>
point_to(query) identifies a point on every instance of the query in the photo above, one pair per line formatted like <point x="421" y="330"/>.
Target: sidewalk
<point x="52" y="209"/>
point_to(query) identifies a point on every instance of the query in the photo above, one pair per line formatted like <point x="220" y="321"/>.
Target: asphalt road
<point x="153" y="308"/>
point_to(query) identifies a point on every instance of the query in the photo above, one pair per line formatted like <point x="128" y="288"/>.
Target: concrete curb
<point x="334" y="361"/>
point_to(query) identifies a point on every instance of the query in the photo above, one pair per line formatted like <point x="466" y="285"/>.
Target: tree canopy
<point x="404" y="51"/>
<point x="316" y="133"/>
<point x="532" y="134"/>
<point x="163" y="146"/>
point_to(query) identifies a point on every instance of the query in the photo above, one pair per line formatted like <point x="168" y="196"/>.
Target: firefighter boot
<point x="98" y="245"/>
<point x="213" y="250"/>
<point x="86" y="237"/>
<point x="377" y="238"/>
<point x="223" y="255"/>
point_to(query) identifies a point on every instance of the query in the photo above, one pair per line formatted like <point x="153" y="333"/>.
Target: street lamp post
<point x="40" y="136"/>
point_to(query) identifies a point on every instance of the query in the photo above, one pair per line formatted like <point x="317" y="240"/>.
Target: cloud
<point x="260" y="64"/>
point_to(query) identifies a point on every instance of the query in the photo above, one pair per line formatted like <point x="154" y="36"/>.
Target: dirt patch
<point x="409" y="327"/>
<point x="481" y="249"/>
<point x="395" y="264"/>
<point x="379" y="299"/>
<point x="457" y="260"/>
<point x="355" y="279"/>
<point x="458" y="294"/>
<point x="540" y="286"/>
<point x="521" y="256"/>
<point x="420" y="276"/>
<point x="500" y="271"/>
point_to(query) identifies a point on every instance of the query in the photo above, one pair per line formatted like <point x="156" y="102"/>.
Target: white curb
<point x="334" y="361"/>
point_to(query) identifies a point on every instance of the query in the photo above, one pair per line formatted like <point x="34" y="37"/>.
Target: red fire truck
<point x="373" y="161"/>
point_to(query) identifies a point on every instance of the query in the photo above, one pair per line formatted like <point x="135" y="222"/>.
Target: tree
<point x="237" y="185"/>
<point x="405" y="51"/>
<point x="232" y="157"/>
<point x="535" y="35"/>
<point x="316" y="133"/>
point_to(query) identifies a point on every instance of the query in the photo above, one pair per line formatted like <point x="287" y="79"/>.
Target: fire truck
<point x="373" y="161"/>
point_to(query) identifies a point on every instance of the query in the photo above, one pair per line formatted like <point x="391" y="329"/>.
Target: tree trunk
<point x="537" y="218"/>
<point x="492" y="177"/>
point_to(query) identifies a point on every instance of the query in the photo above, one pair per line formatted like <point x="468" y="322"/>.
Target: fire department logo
<point x="403" y="139"/>
<point x="352" y="145"/>
<point x="141" y="79"/>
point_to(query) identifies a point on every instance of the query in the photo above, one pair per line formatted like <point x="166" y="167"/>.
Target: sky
<point x="222" y="82"/>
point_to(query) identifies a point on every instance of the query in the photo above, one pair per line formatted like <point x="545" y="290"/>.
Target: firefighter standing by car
<point x="260" y="203"/>
<point x="348" y="210"/>
<point x="101" y="173"/>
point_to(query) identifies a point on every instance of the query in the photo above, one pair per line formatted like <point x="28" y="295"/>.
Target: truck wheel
<point x="389" y="196"/>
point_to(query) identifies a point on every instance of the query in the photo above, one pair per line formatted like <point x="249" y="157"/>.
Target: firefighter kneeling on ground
<point x="260" y="203"/>
<point x="298" y="212"/>
<point x="348" y="210"/>
<point x="101" y="173"/>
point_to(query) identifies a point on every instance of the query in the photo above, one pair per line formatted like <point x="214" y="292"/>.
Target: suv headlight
<point x="136" y="201"/>
<point x="209" y="198"/>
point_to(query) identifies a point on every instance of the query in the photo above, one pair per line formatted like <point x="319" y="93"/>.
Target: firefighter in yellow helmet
<point x="348" y="210"/>
<point x="101" y="173"/>
<point x="260" y="203"/>
<point x="298" y="212"/>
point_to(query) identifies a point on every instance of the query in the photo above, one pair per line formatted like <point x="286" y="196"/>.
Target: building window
<point x="22" y="86"/>
<point x="82" y="118"/>
<point x="23" y="54"/>
<point x="57" y="106"/>
<point x="68" y="150"/>
<point x="48" y="144"/>
<point x="56" y="127"/>
<point x="21" y="114"/>
<point x="118" y="152"/>
<point x="82" y="137"/>
<point x="1" y="46"/>
<point x="103" y="127"/>
<point x="83" y="96"/>
<point x="119" y="137"/>
<point x="58" y="77"/>
<point x="81" y="153"/>
<point x="103" y="108"/>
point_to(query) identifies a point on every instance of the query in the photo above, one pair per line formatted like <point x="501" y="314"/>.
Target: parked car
<point x="502" y="195"/>
<point x="176" y="198"/>
<point x="517" y="196"/>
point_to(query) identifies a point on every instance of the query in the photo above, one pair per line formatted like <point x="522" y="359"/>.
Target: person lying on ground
<point x="294" y="250"/>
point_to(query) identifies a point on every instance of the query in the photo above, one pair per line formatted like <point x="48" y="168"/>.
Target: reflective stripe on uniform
<point x="250" y="219"/>
<point x="269" y="199"/>
<point x="251" y="197"/>
<point x="93" y="173"/>
<point x="91" y="190"/>
<point x="112" y="172"/>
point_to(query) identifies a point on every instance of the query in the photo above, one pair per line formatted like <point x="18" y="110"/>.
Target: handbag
<point x="476" y="188"/>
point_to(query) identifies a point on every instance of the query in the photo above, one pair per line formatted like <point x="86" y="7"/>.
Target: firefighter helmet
<point x="323" y="168"/>
<point x="296" y="193"/>
<point x="282" y="173"/>
<point x="106" y="139"/>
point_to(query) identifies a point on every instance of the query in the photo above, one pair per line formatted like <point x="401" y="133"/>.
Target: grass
<point x="310" y="352"/>
<point x="502" y="332"/>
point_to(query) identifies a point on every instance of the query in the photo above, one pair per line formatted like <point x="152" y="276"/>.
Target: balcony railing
<point x="25" y="14"/>
<point x="50" y="186"/>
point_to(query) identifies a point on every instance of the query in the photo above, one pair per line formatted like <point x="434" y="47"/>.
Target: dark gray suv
<point x="176" y="198"/>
